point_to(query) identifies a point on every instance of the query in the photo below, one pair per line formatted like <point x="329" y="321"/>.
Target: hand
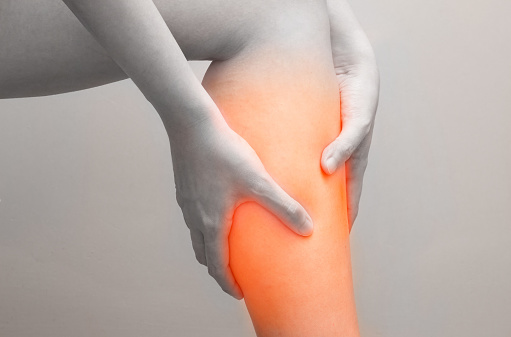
<point x="358" y="78"/>
<point x="216" y="170"/>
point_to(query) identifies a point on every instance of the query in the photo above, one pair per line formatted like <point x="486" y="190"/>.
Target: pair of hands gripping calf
<point x="215" y="169"/>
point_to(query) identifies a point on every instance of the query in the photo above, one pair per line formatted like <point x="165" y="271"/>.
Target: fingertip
<point x="324" y="157"/>
<point x="238" y="294"/>
<point x="234" y="288"/>
<point x="201" y="260"/>
<point x="330" y="165"/>
<point x="328" y="162"/>
<point x="307" y="227"/>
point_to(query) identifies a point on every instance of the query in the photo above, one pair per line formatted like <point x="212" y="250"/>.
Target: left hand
<point x="358" y="78"/>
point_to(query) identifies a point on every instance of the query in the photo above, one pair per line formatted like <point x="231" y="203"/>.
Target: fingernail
<point x="307" y="227"/>
<point x="330" y="165"/>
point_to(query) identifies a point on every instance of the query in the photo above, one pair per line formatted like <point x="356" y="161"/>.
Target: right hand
<point x="215" y="170"/>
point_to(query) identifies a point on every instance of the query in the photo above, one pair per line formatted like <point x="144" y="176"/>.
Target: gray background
<point x="92" y="242"/>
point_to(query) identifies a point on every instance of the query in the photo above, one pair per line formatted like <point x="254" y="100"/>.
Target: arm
<point x="358" y="78"/>
<point x="136" y="37"/>
<point x="215" y="170"/>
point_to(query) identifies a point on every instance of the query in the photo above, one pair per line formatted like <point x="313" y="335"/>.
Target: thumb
<point x="288" y="210"/>
<point x="359" y="99"/>
<point x="341" y="149"/>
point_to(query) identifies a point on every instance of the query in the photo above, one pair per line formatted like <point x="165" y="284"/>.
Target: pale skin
<point x="215" y="169"/>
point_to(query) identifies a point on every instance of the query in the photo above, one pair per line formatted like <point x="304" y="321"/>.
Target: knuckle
<point x="179" y="199"/>
<point x="215" y="271"/>
<point x="188" y="223"/>
<point x="345" y="149"/>
<point x="200" y="259"/>
<point x="259" y="186"/>
<point x="209" y="224"/>
<point x="188" y="220"/>
<point x="291" y="208"/>
<point x="219" y="265"/>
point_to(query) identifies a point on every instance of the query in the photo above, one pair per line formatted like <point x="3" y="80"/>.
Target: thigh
<point x="45" y="50"/>
<point x="283" y="98"/>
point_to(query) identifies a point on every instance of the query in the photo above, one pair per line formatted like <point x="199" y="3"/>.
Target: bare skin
<point x="47" y="50"/>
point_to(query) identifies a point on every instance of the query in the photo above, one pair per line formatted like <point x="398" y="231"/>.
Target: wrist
<point x="192" y="123"/>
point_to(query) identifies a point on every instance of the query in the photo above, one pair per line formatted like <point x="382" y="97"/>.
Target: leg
<point x="285" y="102"/>
<point x="44" y="49"/>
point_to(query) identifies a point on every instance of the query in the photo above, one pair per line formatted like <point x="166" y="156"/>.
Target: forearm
<point x="348" y="39"/>
<point x="138" y="40"/>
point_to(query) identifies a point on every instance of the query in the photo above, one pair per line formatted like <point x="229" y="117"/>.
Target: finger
<point x="288" y="210"/>
<point x="193" y="222"/>
<point x="216" y="239"/>
<point x="359" y="91"/>
<point x="337" y="152"/>
<point x="198" y="246"/>
<point x="355" y="169"/>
